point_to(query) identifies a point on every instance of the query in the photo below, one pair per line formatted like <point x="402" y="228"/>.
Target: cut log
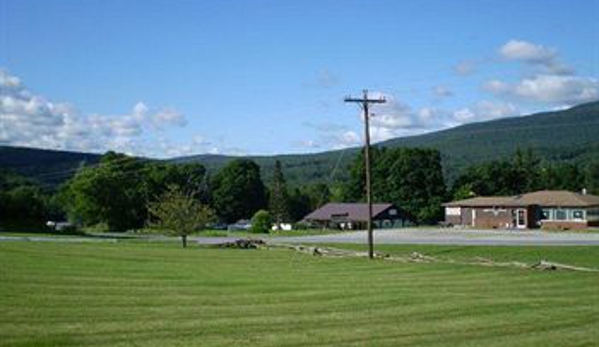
<point x="422" y="258"/>
<point x="547" y="265"/>
<point x="243" y="244"/>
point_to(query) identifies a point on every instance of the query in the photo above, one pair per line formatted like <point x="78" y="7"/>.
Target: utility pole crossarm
<point x="370" y="101"/>
<point x="365" y="101"/>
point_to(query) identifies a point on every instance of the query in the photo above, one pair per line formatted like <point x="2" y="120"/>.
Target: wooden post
<point x="364" y="101"/>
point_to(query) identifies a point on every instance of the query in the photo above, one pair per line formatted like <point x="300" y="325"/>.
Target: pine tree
<point x="279" y="197"/>
<point x="592" y="178"/>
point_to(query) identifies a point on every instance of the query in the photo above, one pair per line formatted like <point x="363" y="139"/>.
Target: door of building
<point x="521" y="219"/>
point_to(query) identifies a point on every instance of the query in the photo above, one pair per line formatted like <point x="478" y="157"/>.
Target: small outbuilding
<point x="351" y="216"/>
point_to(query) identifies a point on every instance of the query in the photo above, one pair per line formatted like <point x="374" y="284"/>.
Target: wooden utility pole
<point x="364" y="102"/>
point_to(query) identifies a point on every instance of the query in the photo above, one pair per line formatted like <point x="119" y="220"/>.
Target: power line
<point x="118" y="161"/>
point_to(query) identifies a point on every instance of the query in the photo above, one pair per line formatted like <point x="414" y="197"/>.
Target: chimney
<point x="584" y="191"/>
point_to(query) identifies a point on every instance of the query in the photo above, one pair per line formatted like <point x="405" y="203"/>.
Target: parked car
<point x="242" y="224"/>
<point x="61" y="226"/>
<point x="217" y="226"/>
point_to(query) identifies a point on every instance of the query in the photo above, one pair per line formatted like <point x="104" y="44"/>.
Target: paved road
<point x="454" y="237"/>
<point x="430" y="236"/>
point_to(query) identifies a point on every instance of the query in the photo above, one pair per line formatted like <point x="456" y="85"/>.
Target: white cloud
<point x="484" y="110"/>
<point x="527" y="52"/>
<point x="330" y="135"/>
<point x="464" y="115"/>
<point x="8" y="81"/>
<point x="392" y="115"/>
<point x="550" y="89"/>
<point x="378" y="134"/>
<point x="346" y="139"/>
<point x="395" y="118"/>
<point x="548" y="81"/>
<point x="168" y="116"/>
<point x="388" y="120"/>
<point x="30" y="120"/>
<point x="197" y="145"/>
<point x="537" y="56"/>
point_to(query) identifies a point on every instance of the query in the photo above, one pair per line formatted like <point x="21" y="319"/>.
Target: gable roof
<point x="557" y="198"/>
<point x="357" y="212"/>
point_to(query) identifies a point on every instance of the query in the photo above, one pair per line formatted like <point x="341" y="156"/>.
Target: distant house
<point x="355" y="216"/>
<point x="547" y="209"/>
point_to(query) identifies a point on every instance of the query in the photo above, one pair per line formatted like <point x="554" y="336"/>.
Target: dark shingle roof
<point x="356" y="212"/>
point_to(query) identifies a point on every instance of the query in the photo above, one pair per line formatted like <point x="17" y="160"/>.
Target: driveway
<point x="436" y="236"/>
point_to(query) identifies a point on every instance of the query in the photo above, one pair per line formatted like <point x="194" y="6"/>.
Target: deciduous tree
<point x="411" y="178"/>
<point x="238" y="191"/>
<point x="179" y="213"/>
<point x="113" y="193"/>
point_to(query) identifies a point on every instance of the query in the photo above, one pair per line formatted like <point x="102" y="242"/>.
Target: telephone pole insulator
<point x="365" y="102"/>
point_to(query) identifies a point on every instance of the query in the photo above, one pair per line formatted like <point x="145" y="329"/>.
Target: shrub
<point x="301" y="226"/>
<point x="261" y="222"/>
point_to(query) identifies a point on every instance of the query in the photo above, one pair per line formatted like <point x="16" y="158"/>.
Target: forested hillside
<point x="570" y="135"/>
<point x="46" y="166"/>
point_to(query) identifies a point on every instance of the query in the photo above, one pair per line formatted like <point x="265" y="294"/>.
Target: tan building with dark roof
<point x="546" y="209"/>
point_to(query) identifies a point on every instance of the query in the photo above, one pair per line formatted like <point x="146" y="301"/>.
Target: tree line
<point x="118" y="193"/>
<point x="525" y="172"/>
<point x="121" y="192"/>
<point x="23" y="201"/>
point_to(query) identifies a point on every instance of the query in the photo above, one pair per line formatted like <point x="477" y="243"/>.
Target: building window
<point x="561" y="215"/>
<point x="578" y="214"/>
<point x="393" y="212"/>
<point x="546" y="214"/>
<point x="453" y="211"/>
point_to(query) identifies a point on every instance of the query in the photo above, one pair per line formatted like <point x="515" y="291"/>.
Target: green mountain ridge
<point x="49" y="167"/>
<point x="565" y="135"/>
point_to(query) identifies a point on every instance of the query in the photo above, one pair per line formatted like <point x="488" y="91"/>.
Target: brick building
<point x="561" y="210"/>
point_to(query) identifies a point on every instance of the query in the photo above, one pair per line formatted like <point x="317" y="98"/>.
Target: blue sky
<point x="169" y="78"/>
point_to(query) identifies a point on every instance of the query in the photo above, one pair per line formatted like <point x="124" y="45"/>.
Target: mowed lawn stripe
<point x="99" y="295"/>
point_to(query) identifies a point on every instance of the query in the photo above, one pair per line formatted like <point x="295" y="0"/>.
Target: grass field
<point x="153" y="294"/>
